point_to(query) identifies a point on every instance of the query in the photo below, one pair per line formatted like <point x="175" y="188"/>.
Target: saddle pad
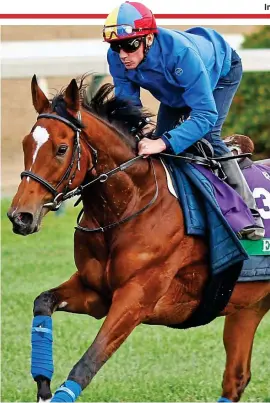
<point x="204" y="217"/>
<point x="256" y="268"/>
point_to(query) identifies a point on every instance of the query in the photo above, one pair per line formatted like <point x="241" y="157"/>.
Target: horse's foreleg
<point x="71" y="296"/>
<point x="238" y="336"/>
<point x="130" y="306"/>
<point x="41" y="358"/>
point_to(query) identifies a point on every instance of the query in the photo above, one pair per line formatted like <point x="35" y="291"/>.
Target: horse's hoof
<point x="44" y="400"/>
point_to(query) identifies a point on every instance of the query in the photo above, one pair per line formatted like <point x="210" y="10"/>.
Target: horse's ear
<point x="40" y="101"/>
<point x="72" y="96"/>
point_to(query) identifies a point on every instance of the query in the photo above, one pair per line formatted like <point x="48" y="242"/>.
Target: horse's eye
<point x="62" y="149"/>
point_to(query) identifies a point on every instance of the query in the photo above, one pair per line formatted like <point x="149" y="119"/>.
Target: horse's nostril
<point x="25" y="219"/>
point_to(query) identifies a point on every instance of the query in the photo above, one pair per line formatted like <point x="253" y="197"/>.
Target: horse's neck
<point x="109" y="201"/>
<point x="112" y="149"/>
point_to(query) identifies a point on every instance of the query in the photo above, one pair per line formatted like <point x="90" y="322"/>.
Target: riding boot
<point x="237" y="181"/>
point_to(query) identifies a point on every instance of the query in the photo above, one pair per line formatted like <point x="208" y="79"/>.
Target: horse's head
<point x="52" y="158"/>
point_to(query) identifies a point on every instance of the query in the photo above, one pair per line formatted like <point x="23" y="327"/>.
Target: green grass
<point x="154" y="364"/>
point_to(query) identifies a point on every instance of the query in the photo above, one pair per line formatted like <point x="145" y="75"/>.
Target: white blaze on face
<point x="40" y="136"/>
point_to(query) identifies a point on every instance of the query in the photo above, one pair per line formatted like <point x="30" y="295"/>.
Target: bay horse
<point x="135" y="264"/>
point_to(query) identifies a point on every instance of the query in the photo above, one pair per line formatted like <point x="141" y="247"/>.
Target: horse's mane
<point x="124" y="116"/>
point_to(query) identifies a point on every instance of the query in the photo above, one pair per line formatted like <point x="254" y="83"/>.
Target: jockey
<point x="194" y="74"/>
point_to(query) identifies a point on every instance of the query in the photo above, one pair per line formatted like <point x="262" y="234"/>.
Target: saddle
<point x="202" y="148"/>
<point x="201" y="152"/>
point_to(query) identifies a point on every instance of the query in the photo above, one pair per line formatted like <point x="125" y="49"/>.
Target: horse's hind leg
<point x="238" y="337"/>
<point x="71" y="296"/>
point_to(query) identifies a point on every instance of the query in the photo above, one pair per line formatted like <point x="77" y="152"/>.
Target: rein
<point x="212" y="163"/>
<point x="60" y="197"/>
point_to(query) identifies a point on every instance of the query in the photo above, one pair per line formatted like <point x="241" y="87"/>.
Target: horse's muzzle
<point x="22" y="223"/>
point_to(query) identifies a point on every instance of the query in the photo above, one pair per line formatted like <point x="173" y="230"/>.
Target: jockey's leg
<point x="223" y="94"/>
<point x="71" y="296"/>
<point x="237" y="181"/>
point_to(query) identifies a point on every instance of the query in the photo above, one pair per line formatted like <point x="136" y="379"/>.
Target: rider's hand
<point x="147" y="147"/>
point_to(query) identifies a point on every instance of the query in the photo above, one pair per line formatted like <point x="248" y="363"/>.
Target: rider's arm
<point x="190" y="74"/>
<point x="124" y="88"/>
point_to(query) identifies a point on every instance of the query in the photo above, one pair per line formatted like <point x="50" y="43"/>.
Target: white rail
<point x="53" y="58"/>
<point x="76" y="57"/>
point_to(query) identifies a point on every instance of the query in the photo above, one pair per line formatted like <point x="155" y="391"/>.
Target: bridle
<point x="60" y="197"/>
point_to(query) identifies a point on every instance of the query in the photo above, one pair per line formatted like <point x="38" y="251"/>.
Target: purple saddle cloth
<point x="233" y="208"/>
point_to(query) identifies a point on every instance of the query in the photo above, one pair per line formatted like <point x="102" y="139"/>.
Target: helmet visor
<point x="122" y="31"/>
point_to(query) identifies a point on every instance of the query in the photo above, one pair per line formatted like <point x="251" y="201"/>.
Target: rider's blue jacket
<point x="182" y="68"/>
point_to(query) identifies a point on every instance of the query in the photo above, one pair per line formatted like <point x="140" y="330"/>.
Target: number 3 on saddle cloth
<point x="214" y="210"/>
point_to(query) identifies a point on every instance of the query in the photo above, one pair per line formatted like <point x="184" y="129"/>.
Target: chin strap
<point x="146" y="48"/>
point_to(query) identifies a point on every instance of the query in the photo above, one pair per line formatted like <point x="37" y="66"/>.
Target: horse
<point x="134" y="262"/>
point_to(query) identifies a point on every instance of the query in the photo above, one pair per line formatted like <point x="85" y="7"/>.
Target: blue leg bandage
<point x="224" y="399"/>
<point x="42" y="358"/>
<point x="68" y="392"/>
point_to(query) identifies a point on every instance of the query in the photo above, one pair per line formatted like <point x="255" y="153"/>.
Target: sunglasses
<point x="129" y="45"/>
